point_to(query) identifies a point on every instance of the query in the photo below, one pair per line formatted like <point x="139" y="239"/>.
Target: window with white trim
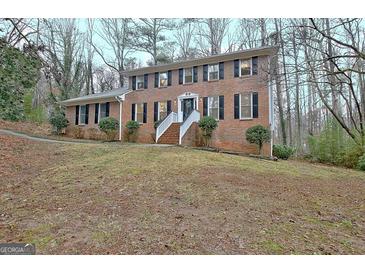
<point x="102" y="113"/>
<point x="82" y="114"/>
<point x="246" y="67"/>
<point x="213" y="107"/>
<point x="140" y="82"/>
<point x="163" y="79"/>
<point x="213" y="72"/>
<point x="139" y="113"/>
<point x="188" y="75"/>
<point x="246" y="106"/>
<point x="162" y="110"/>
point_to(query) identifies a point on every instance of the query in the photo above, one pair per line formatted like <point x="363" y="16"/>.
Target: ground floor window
<point x="103" y="111"/>
<point x="83" y="114"/>
<point x="139" y="113"/>
<point x="213" y="107"/>
<point x="245" y="105"/>
<point x="162" y="110"/>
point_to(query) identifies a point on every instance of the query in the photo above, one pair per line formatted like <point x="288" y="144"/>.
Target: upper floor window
<point x="83" y="114"/>
<point x="213" y="107"/>
<point x="140" y="82"/>
<point x="245" y="68"/>
<point x="163" y="82"/>
<point x="213" y="72"/>
<point x="245" y="105"/>
<point x="188" y="75"/>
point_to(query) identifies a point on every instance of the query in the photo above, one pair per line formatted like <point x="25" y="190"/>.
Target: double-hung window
<point x="188" y="75"/>
<point x="246" y="67"/>
<point x="102" y="111"/>
<point x="140" y="82"/>
<point x="246" y="106"/>
<point x="83" y="114"/>
<point x="213" y="72"/>
<point x="162" y="110"/>
<point x="139" y="113"/>
<point x="213" y="107"/>
<point x="163" y="79"/>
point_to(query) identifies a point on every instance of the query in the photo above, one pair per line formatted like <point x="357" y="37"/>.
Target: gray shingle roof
<point x="94" y="97"/>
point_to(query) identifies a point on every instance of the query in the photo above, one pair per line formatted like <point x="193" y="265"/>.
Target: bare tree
<point x="210" y="35"/>
<point x="149" y="36"/>
<point x="117" y="35"/>
<point x="184" y="36"/>
<point x="64" y="55"/>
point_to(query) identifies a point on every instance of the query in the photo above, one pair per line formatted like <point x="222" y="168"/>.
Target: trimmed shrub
<point x="361" y="163"/>
<point x="282" y="151"/>
<point x="132" y="127"/>
<point x="58" y="121"/>
<point x="258" y="135"/>
<point x="207" y="125"/>
<point x="109" y="126"/>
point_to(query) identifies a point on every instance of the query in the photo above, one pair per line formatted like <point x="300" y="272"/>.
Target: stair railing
<point x="194" y="116"/>
<point x="165" y="124"/>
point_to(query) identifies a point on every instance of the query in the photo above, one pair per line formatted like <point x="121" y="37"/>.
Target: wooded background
<point x="317" y="75"/>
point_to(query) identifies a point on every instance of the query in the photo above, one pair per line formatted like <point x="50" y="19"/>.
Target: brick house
<point x="233" y="88"/>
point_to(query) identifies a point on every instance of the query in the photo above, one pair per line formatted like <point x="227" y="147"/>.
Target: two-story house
<point x="168" y="100"/>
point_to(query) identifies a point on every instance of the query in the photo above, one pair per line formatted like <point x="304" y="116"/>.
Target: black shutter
<point x="145" y="84"/>
<point x="255" y="105"/>
<point x="221" y="70"/>
<point x="169" y="77"/>
<point x="205" y="73"/>
<point x="134" y="79"/>
<point x="195" y="74"/>
<point x="87" y="114"/>
<point x="157" y="74"/>
<point x="221" y="107"/>
<point x="168" y="107"/>
<point x="181" y="75"/>
<point x="255" y="65"/>
<point x="144" y="112"/>
<point x="236" y="68"/>
<point x="96" y="120"/>
<point x="236" y="106"/>
<point x="107" y="107"/>
<point x="205" y="106"/>
<point x="155" y="111"/>
<point x="133" y="116"/>
<point x="77" y="115"/>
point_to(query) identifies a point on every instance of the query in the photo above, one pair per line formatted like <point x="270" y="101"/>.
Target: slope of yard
<point x="129" y="199"/>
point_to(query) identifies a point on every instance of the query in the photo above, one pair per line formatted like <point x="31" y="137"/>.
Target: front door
<point x="187" y="106"/>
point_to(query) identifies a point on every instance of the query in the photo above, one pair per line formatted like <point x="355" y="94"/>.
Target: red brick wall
<point x="230" y="134"/>
<point x="71" y="112"/>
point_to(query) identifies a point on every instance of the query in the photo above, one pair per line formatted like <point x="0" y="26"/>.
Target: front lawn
<point x="130" y="199"/>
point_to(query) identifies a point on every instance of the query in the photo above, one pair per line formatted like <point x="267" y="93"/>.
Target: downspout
<point x="120" y="100"/>
<point x="271" y="109"/>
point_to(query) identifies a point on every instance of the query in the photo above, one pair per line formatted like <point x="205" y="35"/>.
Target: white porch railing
<point x="193" y="117"/>
<point x="165" y="124"/>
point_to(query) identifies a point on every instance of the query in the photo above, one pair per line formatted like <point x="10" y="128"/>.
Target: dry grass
<point x="128" y="199"/>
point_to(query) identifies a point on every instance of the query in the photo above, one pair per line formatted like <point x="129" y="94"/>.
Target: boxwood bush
<point x="207" y="124"/>
<point x="109" y="126"/>
<point x="58" y="120"/>
<point x="132" y="127"/>
<point x="282" y="151"/>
